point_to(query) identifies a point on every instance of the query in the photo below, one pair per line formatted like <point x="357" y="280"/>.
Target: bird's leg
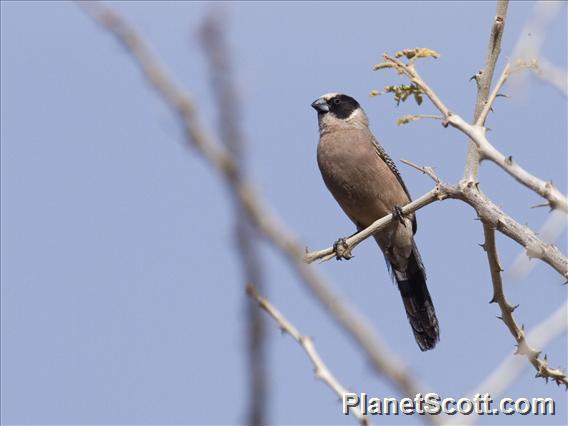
<point x="342" y="250"/>
<point x="398" y="215"/>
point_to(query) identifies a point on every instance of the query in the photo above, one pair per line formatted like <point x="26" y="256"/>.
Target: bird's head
<point x="337" y="104"/>
<point x="338" y="108"/>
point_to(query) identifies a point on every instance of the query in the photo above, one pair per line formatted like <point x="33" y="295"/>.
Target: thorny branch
<point x="468" y="190"/>
<point x="321" y="371"/>
<point x="486" y="151"/>
<point x="523" y="347"/>
<point x="382" y="360"/>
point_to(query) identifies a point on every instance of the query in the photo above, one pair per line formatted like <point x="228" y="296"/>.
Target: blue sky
<point x="122" y="296"/>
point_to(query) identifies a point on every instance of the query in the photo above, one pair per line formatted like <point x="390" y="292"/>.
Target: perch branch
<point x="487" y="211"/>
<point x="378" y="225"/>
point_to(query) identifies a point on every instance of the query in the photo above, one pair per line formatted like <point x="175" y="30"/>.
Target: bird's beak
<point x="320" y="105"/>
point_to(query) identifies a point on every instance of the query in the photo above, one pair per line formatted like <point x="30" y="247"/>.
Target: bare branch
<point x="556" y="199"/>
<point x="428" y="171"/>
<point x="523" y="347"/>
<point x="483" y="80"/>
<point x="486" y="150"/>
<point x="405" y="119"/>
<point x="489" y="212"/>
<point x="321" y="371"/>
<point x="382" y="360"/>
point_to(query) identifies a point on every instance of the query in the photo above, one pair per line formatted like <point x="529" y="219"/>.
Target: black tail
<point x="417" y="302"/>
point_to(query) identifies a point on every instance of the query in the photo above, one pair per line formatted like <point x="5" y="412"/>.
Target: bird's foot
<point x="398" y="215"/>
<point x="342" y="250"/>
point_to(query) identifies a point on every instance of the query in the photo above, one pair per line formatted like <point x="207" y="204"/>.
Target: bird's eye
<point x="336" y="101"/>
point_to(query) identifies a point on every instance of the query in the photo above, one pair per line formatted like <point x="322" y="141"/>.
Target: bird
<point x="367" y="185"/>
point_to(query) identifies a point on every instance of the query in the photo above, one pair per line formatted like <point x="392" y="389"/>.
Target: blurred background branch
<point x="384" y="362"/>
<point x="549" y="232"/>
<point x="321" y="371"/>
<point x="510" y="368"/>
<point x="214" y="40"/>
<point x="530" y="42"/>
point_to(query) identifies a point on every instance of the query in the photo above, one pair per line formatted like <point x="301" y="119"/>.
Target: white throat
<point x="358" y="118"/>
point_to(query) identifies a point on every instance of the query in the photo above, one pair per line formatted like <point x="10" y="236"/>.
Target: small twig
<point x="508" y="70"/>
<point x="409" y="70"/>
<point x="405" y="119"/>
<point x="523" y="347"/>
<point x="429" y="171"/>
<point x="321" y="371"/>
<point x="539" y="205"/>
